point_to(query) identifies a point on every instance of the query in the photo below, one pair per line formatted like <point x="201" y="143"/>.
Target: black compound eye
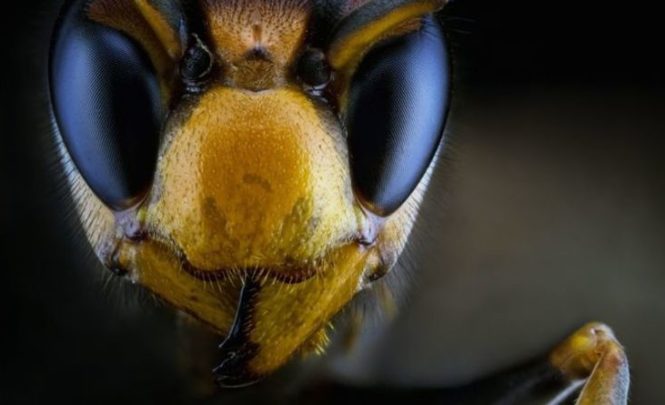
<point x="313" y="69"/>
<point x="197" y="63"/>
<point x="107" y="104"/>
<point x="398" y="102"/>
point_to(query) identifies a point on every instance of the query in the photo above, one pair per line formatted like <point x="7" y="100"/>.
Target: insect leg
<point x="594" y="355"/>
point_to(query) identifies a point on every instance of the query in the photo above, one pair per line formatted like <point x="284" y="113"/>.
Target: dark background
<point x="548" y="211"/>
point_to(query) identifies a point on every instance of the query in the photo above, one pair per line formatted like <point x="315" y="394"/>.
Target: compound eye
<point x="397" y="107"/>
<point x="107" y="104"/>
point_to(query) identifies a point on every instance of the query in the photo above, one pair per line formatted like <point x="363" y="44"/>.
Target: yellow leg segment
<point x="594" y="354"/>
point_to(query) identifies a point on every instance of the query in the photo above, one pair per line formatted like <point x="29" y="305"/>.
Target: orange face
<point x="251" y="224"/>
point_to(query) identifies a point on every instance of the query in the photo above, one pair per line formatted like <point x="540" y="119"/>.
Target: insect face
<point x="224" y="144"/>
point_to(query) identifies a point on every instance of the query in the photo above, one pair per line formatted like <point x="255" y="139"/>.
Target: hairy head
<point x="253" y="163"/>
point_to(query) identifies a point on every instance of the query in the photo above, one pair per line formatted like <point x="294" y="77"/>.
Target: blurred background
<point x="547" y="211"/>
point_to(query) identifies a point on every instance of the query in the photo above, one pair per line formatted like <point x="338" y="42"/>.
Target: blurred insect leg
<point x="534" y="382"/>
<point x="590" y="362"/>
<point x="594" y="354"/>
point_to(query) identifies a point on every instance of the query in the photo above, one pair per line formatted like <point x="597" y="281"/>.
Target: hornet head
<point x="253" y="163"/>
